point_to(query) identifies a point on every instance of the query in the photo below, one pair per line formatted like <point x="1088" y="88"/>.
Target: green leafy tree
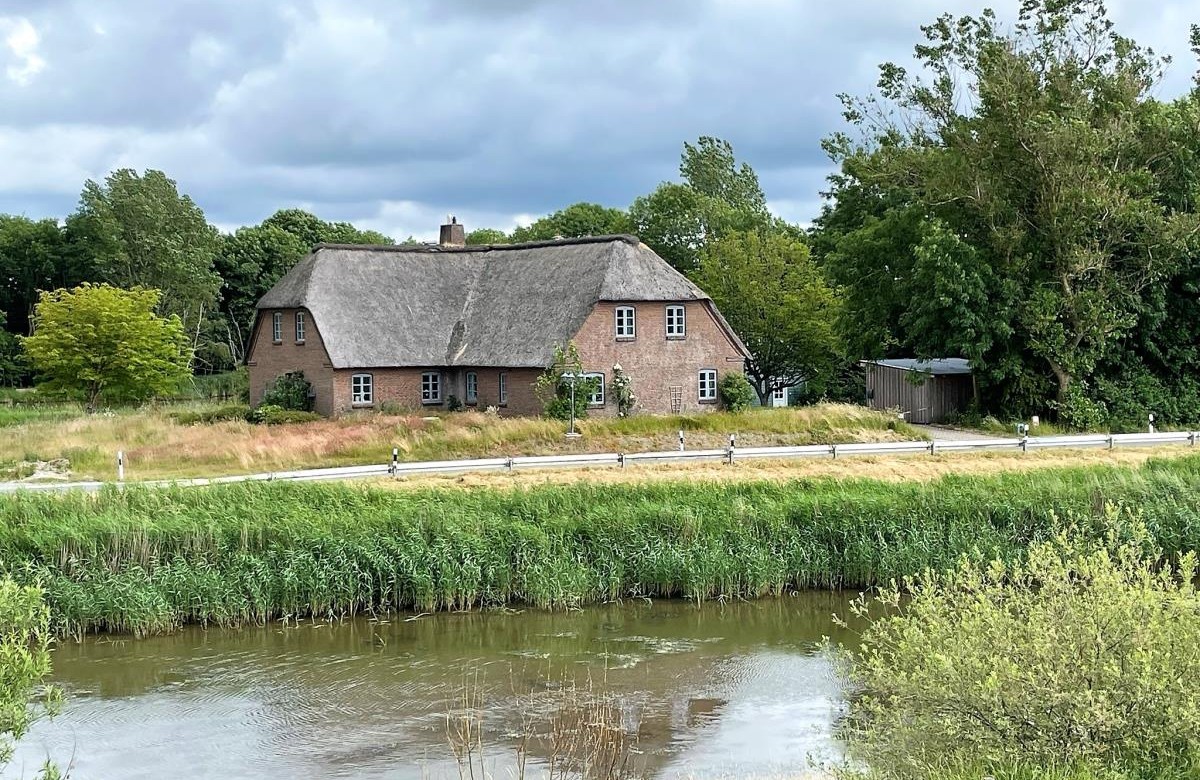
<point x="1081" y="656"/>
<point x="33" y="257"/>
<point x="12" y="369"/>
<point x="778" y="301"/>
<point x="1036" y="147"/>
<point x="143" y="233"/>
<point x="24" y="660"/>
<point x="575" y="221"/>
<point x="289" y="392"/>
<point x="103" y="343"/>
<point x="717" y="196"/>
<point x="311" y="230"/>
<point x="487" y="236"/>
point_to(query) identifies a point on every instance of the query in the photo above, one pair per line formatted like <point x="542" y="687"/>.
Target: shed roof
<point x="936" y="367"/>
<point x="492" y="305"/>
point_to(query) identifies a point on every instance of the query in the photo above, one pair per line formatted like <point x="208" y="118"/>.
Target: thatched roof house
<point x="416" y="325"/>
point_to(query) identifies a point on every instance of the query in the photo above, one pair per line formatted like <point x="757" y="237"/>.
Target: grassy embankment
<point x="150" y="560"/>
<point x="158" y="446"/>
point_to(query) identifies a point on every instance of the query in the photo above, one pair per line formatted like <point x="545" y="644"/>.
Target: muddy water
<point x="713" y="690"/>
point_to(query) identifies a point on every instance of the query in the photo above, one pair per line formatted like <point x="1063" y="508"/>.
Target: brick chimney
<point x="452" y="234"/>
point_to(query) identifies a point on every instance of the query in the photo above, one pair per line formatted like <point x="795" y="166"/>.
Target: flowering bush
<point x="622" y="390"/>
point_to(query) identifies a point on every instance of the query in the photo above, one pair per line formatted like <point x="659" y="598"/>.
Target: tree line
<point x="1023" y="200"/>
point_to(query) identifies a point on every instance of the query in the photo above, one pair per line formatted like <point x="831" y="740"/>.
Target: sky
<point x="392" y="114"/>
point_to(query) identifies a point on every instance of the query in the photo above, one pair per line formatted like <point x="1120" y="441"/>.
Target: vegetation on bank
<point x="146" y="560"/>
<point x="1081" y="656"/>
<point x="24" y="660"/>
<point x="171" y="442"/>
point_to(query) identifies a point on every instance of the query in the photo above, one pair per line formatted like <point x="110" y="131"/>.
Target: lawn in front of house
<point x="157" y="445"/>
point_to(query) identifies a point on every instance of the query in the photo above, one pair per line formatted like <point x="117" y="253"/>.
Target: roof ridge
<point x="439" y="249"/>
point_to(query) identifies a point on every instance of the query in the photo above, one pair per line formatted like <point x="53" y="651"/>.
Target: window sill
<point x="677" y="338"/>
<point x="431" y="403"/>
<point x="708" y="400"/>
<point x="626" y="338"/>
<point x="362" y="405"/>
<point x="299" y="343"/>
<point x="277" y="343"/>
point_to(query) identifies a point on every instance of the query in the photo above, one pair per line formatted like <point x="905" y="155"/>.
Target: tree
<point x="777" y="300"/>
<point x="487" y="236"/>
<point x="1035" y="148"/>
<point x="103" y="343"/>
<point x="311" y="230"/>
<point x="555" y="393"/>
<point x="575" y="221"/>
<point x="716" y="197"/>
<point x="143" y="233"/>
<point x="12" y="371"/>
<point x="32" y="258"/>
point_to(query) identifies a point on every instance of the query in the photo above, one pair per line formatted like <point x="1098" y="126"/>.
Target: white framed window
<point x="431" y="387"/>
<point x="503" y="388"/>
<point x="676" y="328"/>
<point x="472" y="387"/>
<point x="277" y="327"/>
<point x="299" y="327"/>
<point x="626" y="327"/>
<point x="362" y="390"/>
<point x="596" y="397"/>
<point x="708" y="385"/>
<point x="779" y="396"/>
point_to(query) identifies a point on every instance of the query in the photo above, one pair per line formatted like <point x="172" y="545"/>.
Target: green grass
<point x="150" y="560"/>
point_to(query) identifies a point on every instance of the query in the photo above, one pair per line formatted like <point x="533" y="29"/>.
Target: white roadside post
<point x="681" y="440"/>
<point x="120" y="465"/>
<point x="1151" y="422"/>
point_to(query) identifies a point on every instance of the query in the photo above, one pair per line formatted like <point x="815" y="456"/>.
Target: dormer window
<point x="626" y="327"/>
<point x="675" y="323"/>
<point x="277" y="327"/>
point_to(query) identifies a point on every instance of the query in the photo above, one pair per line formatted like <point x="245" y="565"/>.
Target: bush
<point x="219" y="414"/>
<point x="291" y="392"/>
<point x="736" y="392"/>
<point x="270" y="414"/>
<point x="24" y="657"/>
<point x="1073" y="657"/>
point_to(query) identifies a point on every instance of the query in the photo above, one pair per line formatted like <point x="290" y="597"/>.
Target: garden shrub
<point x="735" y="391"/>
<point x="269" y="414"/>
<point x="290" y="392"/>
<point x="218" y="414"/>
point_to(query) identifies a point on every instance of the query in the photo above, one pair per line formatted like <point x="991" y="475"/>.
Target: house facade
<point x="431" y="326"/>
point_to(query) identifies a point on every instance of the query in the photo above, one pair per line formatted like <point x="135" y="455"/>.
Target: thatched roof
<point x="496" y="305"/>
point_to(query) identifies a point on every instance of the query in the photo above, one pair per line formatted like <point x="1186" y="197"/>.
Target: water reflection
<point x="717" y="689"/>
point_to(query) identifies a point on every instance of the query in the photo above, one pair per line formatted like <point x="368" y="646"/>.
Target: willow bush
<point x="24" y="658"/>
<point x="1082" y="657"/>
<point x="148" y="560"/>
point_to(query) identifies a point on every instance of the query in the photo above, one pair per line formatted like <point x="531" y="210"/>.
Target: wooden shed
<point x="926" y="391"/>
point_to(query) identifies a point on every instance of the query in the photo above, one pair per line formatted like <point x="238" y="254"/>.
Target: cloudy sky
<point x="394" y="113"/>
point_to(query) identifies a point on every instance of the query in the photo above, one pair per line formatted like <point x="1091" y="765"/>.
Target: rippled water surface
<point x="713" y="690"/>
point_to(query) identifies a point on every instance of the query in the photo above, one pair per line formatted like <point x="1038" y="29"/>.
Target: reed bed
<point x="149" y="560"/>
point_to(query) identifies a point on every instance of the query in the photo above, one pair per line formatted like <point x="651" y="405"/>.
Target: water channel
<point x="713" y="690"/>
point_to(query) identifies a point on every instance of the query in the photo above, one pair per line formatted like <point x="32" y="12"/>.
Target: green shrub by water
<point x="148" y="560"/>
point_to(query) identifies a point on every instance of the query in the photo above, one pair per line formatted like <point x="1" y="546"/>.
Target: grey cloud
<point x="385" y="113"/>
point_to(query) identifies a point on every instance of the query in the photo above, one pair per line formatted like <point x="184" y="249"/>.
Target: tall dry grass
<point x="156" y="446"/>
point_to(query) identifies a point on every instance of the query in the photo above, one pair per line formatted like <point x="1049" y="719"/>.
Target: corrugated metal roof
<point x="937" y="366"/>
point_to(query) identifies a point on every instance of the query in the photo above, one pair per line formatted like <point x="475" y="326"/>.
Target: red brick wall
<point x="401" y="387"/>
<point x="653" y="362"/>
<point x="268" y="360"/>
